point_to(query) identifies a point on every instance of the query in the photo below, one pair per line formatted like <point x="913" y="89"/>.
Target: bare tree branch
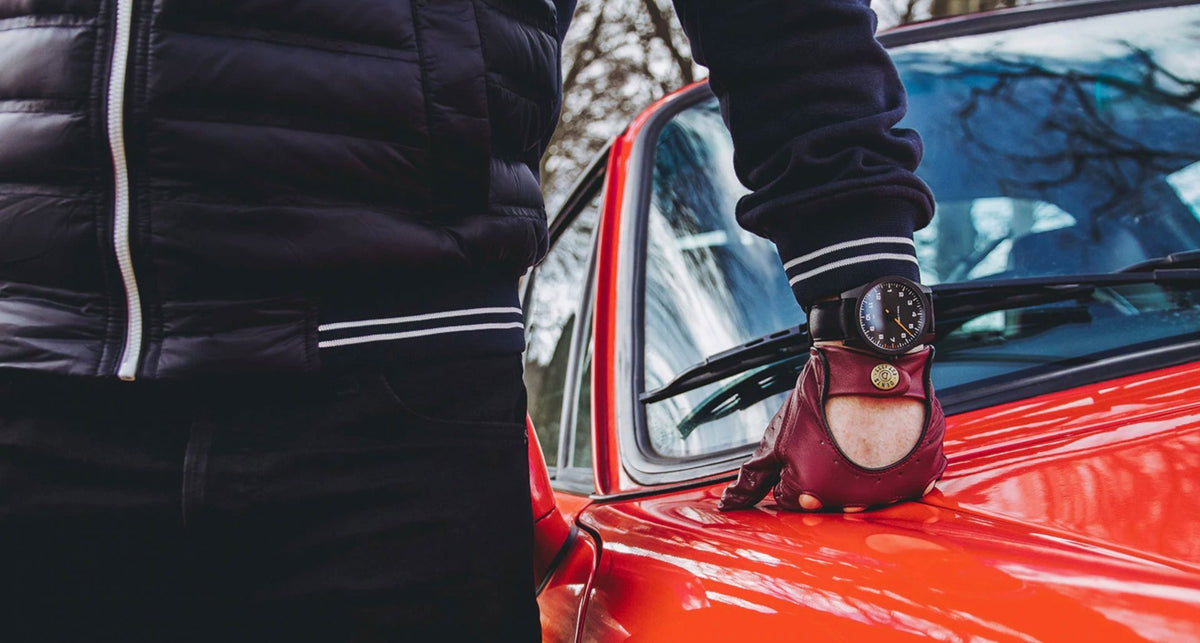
<point x="586" y="52"/>
<point x="663" y="28"/>
<point x="620" y="56"/>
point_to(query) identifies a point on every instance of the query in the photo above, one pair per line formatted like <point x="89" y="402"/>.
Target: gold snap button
<point x="885" y="377"/>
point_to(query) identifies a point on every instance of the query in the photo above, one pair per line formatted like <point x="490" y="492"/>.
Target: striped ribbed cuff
<point x="406" y="318"/>
<point x="825" y="258"/>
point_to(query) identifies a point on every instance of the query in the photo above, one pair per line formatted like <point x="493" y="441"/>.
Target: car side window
<point x="558" y="330"/>
<point x="575" y="453"/>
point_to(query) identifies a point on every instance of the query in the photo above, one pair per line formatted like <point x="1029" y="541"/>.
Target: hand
<point x="877" y="452"/>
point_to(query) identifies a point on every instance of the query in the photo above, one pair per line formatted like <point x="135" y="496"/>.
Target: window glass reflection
<point x="1059" y="148"/>
<point x="1186" y="183"/>
<point x="1071" y="147"/>
<point x="552" y="310"/>
<point x="710" y="284"/>
<point x="581" y="443"/>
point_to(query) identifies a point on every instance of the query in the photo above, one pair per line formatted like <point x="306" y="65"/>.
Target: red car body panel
<point x="1116" y="463"/>
<point x="606" y="460"/>
<point x="1048" y="525"/>
<point x="564" y="597"/>
<point x="551" y="529"/>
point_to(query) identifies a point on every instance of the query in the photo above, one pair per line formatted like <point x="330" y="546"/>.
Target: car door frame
<point x="625" y="461"/>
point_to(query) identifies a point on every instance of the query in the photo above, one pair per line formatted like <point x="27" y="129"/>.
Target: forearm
<point x="812" y="99"/>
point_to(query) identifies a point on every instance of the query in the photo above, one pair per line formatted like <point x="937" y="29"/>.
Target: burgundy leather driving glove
<point x="798" y="454"/>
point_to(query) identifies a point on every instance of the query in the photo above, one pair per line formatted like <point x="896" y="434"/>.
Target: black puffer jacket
<point x="291" y="176"/>
<point x="206" y="187"/>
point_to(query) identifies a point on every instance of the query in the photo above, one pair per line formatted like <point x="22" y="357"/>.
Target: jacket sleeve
<point x="811" y="99"/>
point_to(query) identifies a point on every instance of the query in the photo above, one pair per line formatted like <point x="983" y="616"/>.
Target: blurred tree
<point x="619" y="56"/>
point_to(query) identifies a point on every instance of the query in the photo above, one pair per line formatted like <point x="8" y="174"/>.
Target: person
<point x="260" y="338"/>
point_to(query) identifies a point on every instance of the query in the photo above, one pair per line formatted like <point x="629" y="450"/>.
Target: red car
<point x="1063" y="144"/>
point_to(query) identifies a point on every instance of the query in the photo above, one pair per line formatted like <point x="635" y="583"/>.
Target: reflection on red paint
<point x="564" y="597"/>
<point x="1068" y="515"/>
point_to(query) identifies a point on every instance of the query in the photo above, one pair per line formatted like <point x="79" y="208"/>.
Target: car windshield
<point x="1065" y="148"/>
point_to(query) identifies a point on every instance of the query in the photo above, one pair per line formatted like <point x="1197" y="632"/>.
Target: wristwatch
<point x="888" y="316"/>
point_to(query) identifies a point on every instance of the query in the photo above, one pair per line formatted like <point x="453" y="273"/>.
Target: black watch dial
<point x="891" y="316"/>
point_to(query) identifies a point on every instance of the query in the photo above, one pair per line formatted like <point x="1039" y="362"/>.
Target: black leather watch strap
<point x="837" y="320"/>
<point x="827" y="320"/>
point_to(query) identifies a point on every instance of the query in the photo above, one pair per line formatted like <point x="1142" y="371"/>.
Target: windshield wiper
<point x="973" y="298"/>
<point x="744" y="392"/>
<point x="953" y="304"/>
<point x="739" y="359"/>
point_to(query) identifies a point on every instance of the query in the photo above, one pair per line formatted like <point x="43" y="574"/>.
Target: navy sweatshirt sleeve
<point x="812" y="99"/>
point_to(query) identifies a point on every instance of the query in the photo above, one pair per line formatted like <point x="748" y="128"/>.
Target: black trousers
<point x="381" y="505"/>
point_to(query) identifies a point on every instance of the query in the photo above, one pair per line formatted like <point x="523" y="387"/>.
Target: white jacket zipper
<point x="127" y="368"/>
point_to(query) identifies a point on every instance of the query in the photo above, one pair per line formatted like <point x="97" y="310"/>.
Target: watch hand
<point x="902" y="327"/>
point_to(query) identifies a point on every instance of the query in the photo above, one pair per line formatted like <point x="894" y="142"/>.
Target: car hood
<point x="1116" y="465"/>
<point x="1074" y="513"/>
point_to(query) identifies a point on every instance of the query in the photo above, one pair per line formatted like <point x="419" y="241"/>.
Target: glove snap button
<point x="885" y="377"/>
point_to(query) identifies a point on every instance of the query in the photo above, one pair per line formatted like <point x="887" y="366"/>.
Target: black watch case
<point x="888" y="316"/>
